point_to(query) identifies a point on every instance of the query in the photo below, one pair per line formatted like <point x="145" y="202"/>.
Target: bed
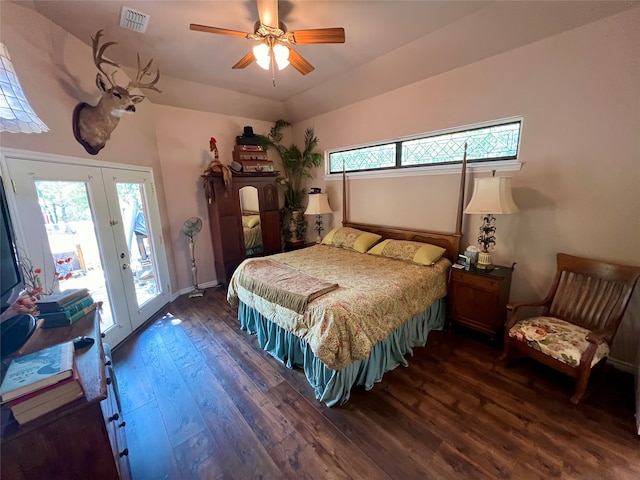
<point x="252" y="233"/>
<point x="346" y="316"/>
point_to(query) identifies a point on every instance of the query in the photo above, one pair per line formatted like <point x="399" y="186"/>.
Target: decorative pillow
<point x="351" y="239"/>
<point x="416" y="252"/>
<point x="250" y="221"/>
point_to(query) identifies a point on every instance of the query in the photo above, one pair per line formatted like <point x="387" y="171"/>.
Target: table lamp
<point x="491" y="196"/>
<point x="318" y="206"/>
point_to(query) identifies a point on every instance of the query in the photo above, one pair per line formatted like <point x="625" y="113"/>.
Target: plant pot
<point x="295" y="227"/>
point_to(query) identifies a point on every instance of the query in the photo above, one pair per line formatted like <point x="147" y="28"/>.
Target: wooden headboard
<point x="448" y="241"/>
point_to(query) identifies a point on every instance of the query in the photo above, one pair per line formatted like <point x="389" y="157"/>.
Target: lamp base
<point x="319" y="228"/>
<point x="196" y="292"/>
<point x="484" y="261"/>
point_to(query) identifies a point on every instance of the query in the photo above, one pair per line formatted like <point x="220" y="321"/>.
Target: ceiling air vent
<point x="134" y="20"/>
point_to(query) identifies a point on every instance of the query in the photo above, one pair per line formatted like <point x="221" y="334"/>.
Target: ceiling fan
<point x="274" y="48"/>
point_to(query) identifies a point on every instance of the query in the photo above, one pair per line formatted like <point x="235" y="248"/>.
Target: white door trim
<point x="7" y="154"/>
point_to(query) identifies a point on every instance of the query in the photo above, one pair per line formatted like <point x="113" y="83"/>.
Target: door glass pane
<point x="142" y="260"/>
<point x="72" y="238"/>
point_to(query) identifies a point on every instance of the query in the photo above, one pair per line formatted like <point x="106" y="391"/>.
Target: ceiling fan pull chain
<point x="273" y="67"/>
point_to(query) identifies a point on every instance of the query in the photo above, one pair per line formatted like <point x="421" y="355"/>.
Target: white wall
<point x="183" y="144"/>
<point x="57" y="72"/>
<point x="578" y="189"/>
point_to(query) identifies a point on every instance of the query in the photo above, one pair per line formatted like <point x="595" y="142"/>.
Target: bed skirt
<point x="334" y="387"/>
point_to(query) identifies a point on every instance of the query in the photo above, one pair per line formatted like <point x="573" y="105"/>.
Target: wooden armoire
<point x="225" y="218"/>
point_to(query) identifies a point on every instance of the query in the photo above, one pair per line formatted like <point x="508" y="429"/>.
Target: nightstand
<point x="478" y="299"/>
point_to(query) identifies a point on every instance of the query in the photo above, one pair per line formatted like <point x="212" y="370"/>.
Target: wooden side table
<point x="478" y="299"/>
<point x="83" y="439"/>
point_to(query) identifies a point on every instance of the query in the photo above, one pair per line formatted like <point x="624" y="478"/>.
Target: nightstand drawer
<point x="475" y="281"/>
<point x="475" y="307"/>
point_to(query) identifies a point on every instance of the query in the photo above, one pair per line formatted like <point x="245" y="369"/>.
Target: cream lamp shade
<point x="492" y="195"/>
<point x="318" y="206"/>
<point x="16" y="115"/>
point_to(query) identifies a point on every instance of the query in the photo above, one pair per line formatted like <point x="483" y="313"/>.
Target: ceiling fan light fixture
<point x="281" y="54"/>
<point x="274" y="38"/>
<point x="262" y="54"/>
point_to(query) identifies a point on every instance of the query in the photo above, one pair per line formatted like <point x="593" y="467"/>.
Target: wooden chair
<point x="579" y="318"/>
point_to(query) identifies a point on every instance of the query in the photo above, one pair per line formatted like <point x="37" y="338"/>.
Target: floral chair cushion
<point x="559" y="339"/>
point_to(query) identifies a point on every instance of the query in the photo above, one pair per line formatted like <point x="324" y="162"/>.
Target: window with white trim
<point x="488" y="142"/>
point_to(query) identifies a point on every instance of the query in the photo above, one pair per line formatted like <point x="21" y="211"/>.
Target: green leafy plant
<point x="296" y="165"/>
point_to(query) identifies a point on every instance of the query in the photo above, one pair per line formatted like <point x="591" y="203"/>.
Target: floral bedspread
<point x="375" y="295"/>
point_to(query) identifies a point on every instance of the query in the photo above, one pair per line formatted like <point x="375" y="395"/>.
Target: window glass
<point x="366" y="158"/>
<point x="484" y="143"/>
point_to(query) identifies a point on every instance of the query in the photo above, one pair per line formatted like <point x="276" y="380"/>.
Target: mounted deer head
<point x="92" y="125"/>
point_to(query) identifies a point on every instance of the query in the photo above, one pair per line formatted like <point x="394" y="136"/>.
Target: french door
<point x="100" y="227"/>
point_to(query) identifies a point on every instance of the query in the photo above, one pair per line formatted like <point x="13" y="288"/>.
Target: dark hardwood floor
<point x="202" y="400"/>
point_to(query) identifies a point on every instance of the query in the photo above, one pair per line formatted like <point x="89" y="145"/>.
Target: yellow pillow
<point x="351" y="239"/>
<point x="250" y="221"/>
<point x="416" y="252"/>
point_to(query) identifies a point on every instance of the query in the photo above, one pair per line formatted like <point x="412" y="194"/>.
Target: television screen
<point x="10" y="274"/>
<point x="15" y="329"/>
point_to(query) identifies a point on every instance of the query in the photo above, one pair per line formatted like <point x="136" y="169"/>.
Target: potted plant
<point x="296" y="165"/>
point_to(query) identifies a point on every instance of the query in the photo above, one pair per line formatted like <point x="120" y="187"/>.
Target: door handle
<point x="125" y="266"/>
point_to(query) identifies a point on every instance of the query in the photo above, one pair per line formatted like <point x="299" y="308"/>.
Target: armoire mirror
<point x="250" y="207"/>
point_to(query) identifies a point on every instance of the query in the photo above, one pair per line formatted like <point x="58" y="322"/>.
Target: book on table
<point x="36" y="404"/>
<point x="70" y="308"/>
<point x="69" y="315"/>
<point x="57" y="302"/>
<point x="34" y="371"/>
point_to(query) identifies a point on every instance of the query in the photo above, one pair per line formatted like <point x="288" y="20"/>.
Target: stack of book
<point x="64" y="308"/>
<point x="38" y="383"/>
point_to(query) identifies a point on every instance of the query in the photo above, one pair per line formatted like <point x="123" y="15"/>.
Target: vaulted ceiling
<point x="389" y="44"/>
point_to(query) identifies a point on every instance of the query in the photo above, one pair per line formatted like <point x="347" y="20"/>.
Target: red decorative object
<point x="213" y="148"/>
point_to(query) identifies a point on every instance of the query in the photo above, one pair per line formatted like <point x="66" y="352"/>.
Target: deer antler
<point x="142" y="72"/>
<point x="99" y="59"/>
<point x="93" y="124"/>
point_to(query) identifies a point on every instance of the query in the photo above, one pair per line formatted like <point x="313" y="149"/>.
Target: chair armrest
<point x="515" y="308"/>
<point x="598" y="336"/>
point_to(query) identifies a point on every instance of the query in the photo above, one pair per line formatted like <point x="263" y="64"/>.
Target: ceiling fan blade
<point x="319" y="35"/>
<point x="221" y="31"/>
<point x="268" y="12"/>
<point x="245" y="61"/>
<point x="299" y="63"/>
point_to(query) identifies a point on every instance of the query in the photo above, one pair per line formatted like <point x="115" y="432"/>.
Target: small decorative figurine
<point x="213" y="148"/>
<point x="215" y="166"/>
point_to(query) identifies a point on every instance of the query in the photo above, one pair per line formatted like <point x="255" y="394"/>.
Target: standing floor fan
<point x="191" y="228"/>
